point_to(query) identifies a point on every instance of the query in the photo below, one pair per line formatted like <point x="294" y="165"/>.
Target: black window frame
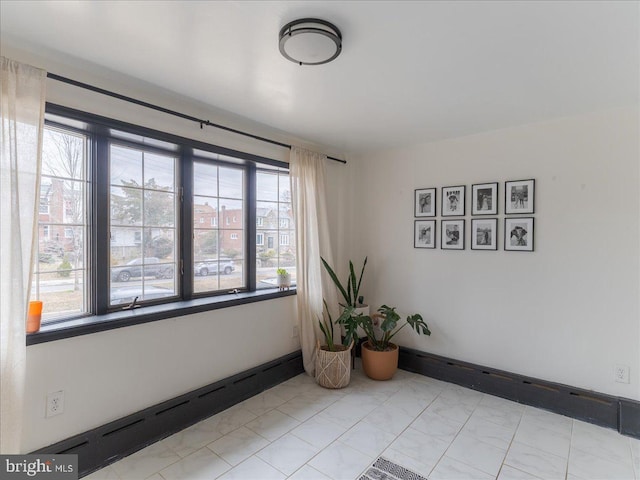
<point x="246" y="207"/>
<point x="111" y="141"/>
<point x="269" y="241"/>
<point x="101" y="315"/>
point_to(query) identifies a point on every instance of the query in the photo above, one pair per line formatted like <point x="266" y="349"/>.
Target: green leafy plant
<point x="64" y="269"/>
<point x="266" y="257"/>
<point x="386" y="323"/>
<point x="327" y="325"/>
<point x="232" y="253"/>
<point x="351" y="293"/>
<point x="281" y="271"/>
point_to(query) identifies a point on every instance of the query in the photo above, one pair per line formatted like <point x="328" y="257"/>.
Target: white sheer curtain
<point x="22" y="112"/>
<point x="307" y="172"/>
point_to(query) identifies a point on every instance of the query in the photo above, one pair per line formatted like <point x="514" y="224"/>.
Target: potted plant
<point x="333" y="360"/>
<point x="351" y="294"/>
<point x="284" y="279"/>
<point x="379" y="355"/>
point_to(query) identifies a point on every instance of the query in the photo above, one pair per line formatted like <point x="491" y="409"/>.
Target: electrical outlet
<point x="621" y="373"/>
<point x="55" y="403"/>
<point x="294" y="331"/>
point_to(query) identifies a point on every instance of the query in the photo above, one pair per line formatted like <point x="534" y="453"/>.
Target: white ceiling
<point x="409" y="72"/>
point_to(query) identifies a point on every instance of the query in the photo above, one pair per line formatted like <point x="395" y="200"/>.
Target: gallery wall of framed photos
<point x="518" y="207"/>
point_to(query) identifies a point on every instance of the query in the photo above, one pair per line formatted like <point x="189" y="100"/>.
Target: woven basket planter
<point x="333" y="369"/>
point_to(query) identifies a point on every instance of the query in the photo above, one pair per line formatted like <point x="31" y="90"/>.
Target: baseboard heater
<point x="608" y="411"/>
<point x="101" y="446"/>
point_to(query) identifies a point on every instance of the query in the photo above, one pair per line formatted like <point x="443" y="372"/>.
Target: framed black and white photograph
<point x="484" y="234"/>
<point x="518" y="234"/>
<point x="484" y="199"/>
<point x="519" y="196"/>
<point x="424" y="235"/>
<point x="425" y="202"/>
<point x="452" y="233"/>
<point x="453" y="201"/>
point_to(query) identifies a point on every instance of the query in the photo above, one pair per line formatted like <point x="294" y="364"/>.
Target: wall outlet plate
<point x="55" y="403"/>
<point x="621" y="373"/>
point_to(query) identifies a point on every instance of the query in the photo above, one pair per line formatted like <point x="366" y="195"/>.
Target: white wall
<point x="112" y="374"/>
<point x="74" y="97"/>
<point x="570" y="316"/>
<point x="568" y="311"/>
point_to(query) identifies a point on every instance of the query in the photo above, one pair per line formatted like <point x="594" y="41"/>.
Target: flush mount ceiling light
<point x="310" y="41"/>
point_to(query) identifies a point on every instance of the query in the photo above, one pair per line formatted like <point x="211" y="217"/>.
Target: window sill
<point x="127" y="318"/>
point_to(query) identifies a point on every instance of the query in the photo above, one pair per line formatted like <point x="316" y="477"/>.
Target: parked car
<point x="134" y="269"/>
<point x="212" y="266"/>
<point x="125" y="295"/>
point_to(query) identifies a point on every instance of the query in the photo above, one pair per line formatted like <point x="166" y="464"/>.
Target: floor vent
<point x="383" y="469"/>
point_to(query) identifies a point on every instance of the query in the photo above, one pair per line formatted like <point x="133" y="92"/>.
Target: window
<point x="143" y="215"/>
<point x="218" y="191"/>
<point x="68" y="210"/>
<point x="171" y="220"/>
<point x="44" y="199"/>
<point x="60" y="272"/>
<point x="273" y="206"/>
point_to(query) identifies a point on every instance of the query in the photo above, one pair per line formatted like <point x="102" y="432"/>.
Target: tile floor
<point x="301" y="431"/>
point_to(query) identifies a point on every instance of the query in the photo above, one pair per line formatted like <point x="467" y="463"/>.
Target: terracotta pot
<point x="380" y="365"/>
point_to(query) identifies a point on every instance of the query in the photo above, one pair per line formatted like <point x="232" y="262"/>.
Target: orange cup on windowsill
<point x="34" y="316"/>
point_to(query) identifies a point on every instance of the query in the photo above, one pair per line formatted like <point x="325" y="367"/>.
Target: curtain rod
<point x="108" y="93"/>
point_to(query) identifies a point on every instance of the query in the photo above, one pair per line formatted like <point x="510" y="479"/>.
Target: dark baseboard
<point x="605" y="410"/>
<point x="629" y="418"/>
<point x="106" y="444"/>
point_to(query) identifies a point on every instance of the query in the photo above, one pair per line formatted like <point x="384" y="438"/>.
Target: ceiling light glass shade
<point x="310" y="41"/>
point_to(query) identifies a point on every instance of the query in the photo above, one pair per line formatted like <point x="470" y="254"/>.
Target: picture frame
<point x="424" y="234"/>
<point x="519" y="234"/>
<point x="484" y="199"/>
<point x="453" y="201"/>
<point x="452" y="234"/>
<point x="484" y="234"/>
<point x="424" y="202"/>
<point x="519" y="196"/>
